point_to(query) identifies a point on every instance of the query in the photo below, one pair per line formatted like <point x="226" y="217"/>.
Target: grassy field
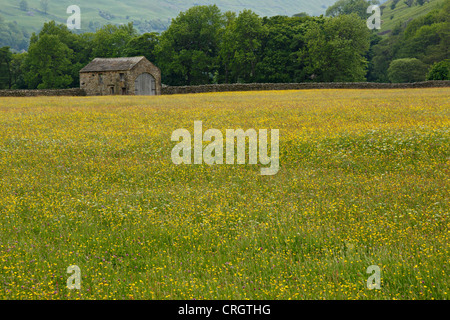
<point x="364" y="180"/>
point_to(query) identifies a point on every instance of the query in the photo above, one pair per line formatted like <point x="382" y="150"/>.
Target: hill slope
<point x="402" y="13"/>
<point x="149" y="15"/>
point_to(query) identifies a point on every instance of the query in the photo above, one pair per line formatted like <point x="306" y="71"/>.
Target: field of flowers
<point x="363" y="180"/>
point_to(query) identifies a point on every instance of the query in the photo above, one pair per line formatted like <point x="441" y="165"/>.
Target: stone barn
<point x="121" y="76"/>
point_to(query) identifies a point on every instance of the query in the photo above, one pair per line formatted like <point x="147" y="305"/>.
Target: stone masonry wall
<point x="237" y="87"/>
<point x="299" y="86"/>
<point x="43" y="92"/>
<point x="144" y="67"/>
<point x="90" y="81"/>
<point x="99" y="83"/>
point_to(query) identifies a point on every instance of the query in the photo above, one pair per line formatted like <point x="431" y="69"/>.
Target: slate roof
<point x="111" y="64"/>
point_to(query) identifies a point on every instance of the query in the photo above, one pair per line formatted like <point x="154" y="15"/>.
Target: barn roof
<point x="111" y="64"/>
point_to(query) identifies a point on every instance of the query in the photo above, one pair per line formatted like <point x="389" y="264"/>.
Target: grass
<point x="364" y="180"/>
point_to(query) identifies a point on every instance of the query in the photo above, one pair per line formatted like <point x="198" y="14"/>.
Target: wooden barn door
<point x="145" y="85"/>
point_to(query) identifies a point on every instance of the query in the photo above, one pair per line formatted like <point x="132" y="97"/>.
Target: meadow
<point x="363" y="180"/>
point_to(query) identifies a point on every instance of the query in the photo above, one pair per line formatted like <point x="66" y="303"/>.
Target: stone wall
<point x="299" y="86"/>
<point x="239" y="87"/>
<point x="43" y="92"/>
<point x="100" y="83"/>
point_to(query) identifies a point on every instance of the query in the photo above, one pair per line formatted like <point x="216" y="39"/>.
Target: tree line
<point x="204" y="45"/>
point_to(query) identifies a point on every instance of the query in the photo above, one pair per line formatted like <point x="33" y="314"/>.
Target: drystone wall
<point x="299" y="86"/>
<point x="167" y="90"/>
<point x="42" y="92"/>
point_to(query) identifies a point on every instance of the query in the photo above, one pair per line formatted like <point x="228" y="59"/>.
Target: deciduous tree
<point x="48" y="63"/>
<point x="335" y="49"/>
<point x="188" y="49"/>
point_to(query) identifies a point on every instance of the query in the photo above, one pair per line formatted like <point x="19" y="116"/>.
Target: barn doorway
<point x="145" y="85"/>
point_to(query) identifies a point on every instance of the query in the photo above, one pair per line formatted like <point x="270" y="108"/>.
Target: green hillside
<point x="402" y="14"/>
<point x="148" y="15"/>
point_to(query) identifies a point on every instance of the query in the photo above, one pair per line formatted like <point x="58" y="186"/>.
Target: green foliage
<point x="404" y="15"/>
<point x="335" y="49"/>
<point x="148" y="16"/>
<point x="144" y="45"/>
<point x="5" y="63"/>
<point x="394" y="4"/>
<point x="383" y="53"/>
<point x="13" y="36"/>
<point x="204" y="45"/>
<point x="111" y="41"/>
<point x="280" y="48"/>
<point x="11" y="69"/>
<point x="301" y="15"/>
<point x="240" y="49"/>
<point x="342" y="7"/>
<point x="407" y="70"/>
<point x="81" y="47"/>
<point x="425" y="38"/>
<point x="17" y="71"/>
<point x="440" y="71"/>
<point x="48" y="63"/>
<point x="188" y="50"/>
<point x="374" y="40"/>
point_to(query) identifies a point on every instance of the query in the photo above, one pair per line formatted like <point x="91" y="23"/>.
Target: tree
<point x="81" y="46"/>
<point x="5" y="68"/>
<point x="188" y="49"/>
<point x="336" y="48"/>
<point x="342" y="7"/>
<point x="48" y="63"/>
<point x="394" y="4"/>
<point x="44" y="5"/>
<point x="23" y="5"/>
<point x="409" y="3"/>
<point x="18" y="71"/>
<point x="240" y="49"/>
<point x="144" y="45"/>
<point x="12" y="35"/>
<point x="407" y="70"/>
<point x="440" y="71"/>
<point x="111" y="41"/>
<point x="301" y="15"/>
<point x="226" y="52"/>
<point x="278" y="62"/>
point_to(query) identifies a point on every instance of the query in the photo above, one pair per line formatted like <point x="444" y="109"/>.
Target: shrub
<point x="407" y="70"/>
<point x="440" y="71"/>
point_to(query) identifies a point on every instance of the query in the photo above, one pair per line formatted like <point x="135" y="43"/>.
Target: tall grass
<point x="364" y="180"/>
